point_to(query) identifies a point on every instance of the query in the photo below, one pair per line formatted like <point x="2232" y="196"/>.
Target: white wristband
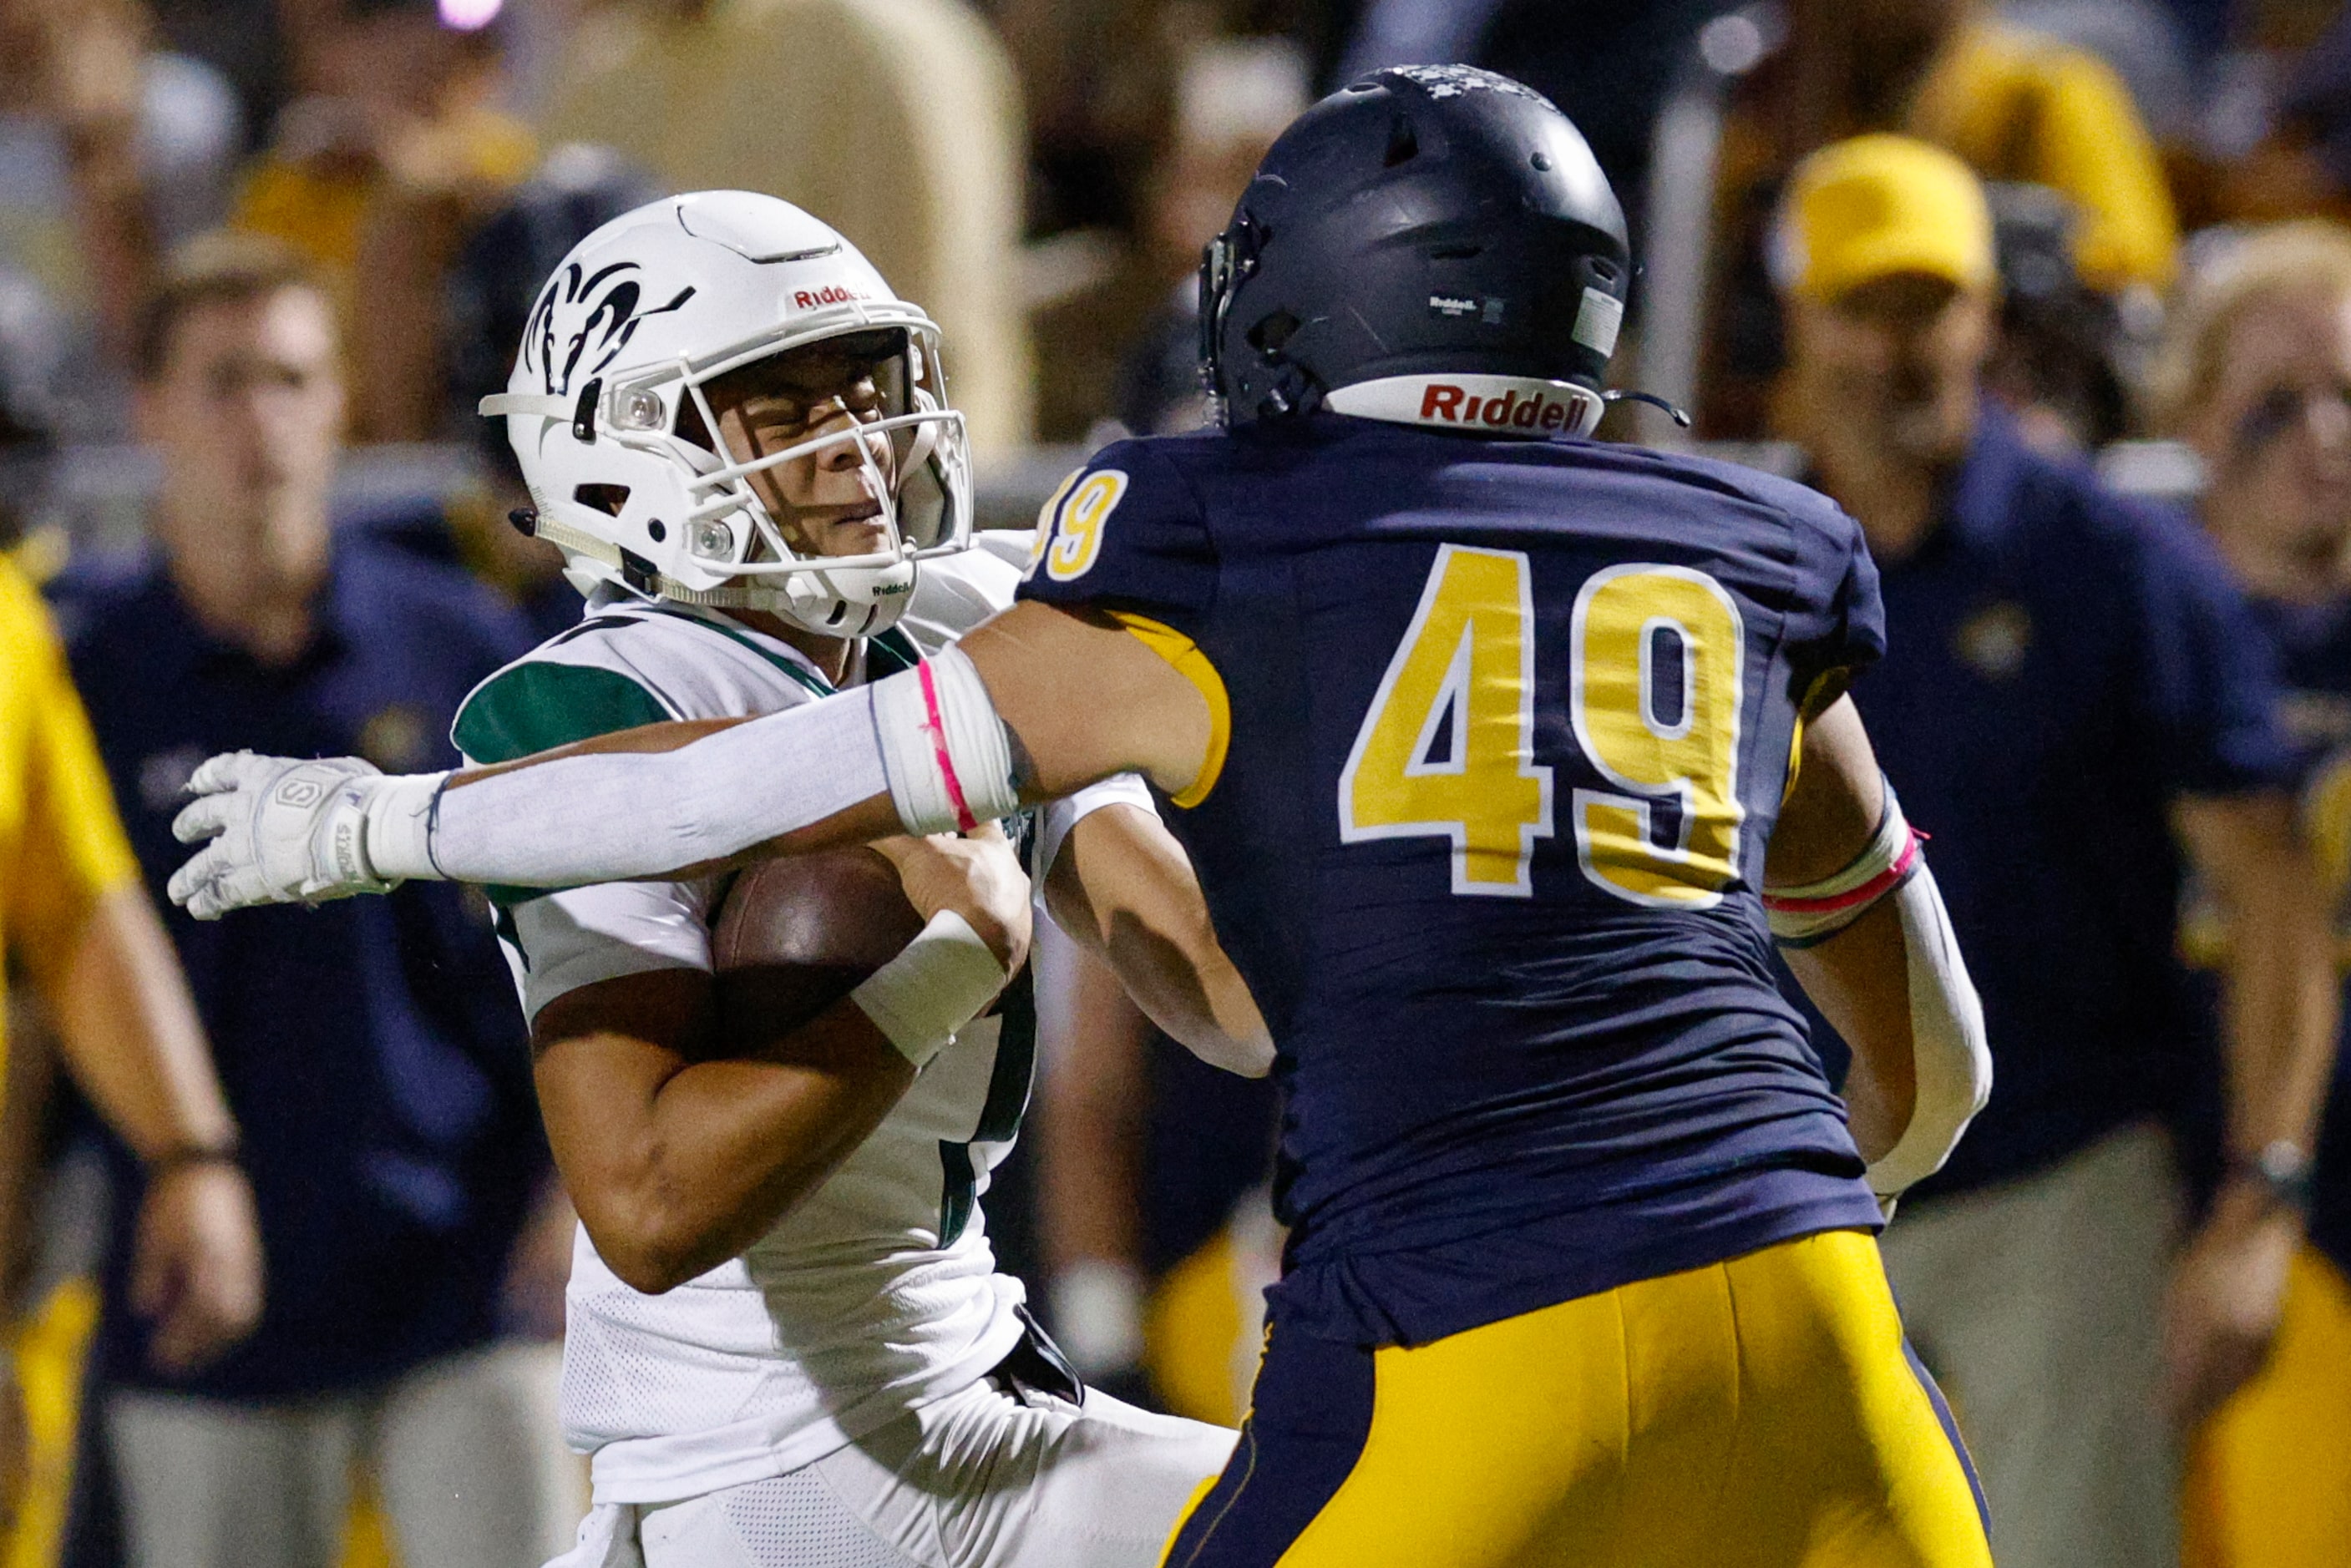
<point x="398" y="842"/>
<point x="935" y="987"/>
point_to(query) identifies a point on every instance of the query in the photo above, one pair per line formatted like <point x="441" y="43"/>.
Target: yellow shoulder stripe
<point x="1796" y="736"/>
<point x="1192" y="665"/>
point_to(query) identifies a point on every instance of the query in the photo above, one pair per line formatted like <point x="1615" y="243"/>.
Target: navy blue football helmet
<point x="1427" y="220"/>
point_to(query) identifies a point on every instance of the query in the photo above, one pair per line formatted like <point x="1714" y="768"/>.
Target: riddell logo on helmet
<point x="1442" y="400"/>
<point x="830" y="293"/>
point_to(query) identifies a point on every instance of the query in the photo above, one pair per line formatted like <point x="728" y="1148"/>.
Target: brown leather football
<point x="798" y="933"/>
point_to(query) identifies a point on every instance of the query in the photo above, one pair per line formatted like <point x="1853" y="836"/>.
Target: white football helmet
<point x="627" y="470"/>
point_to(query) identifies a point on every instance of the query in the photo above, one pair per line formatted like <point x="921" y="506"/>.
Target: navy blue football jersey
<point x="1503" y="728"/>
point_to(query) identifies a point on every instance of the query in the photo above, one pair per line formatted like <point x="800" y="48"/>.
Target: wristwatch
<point x="2282" y="1170"/>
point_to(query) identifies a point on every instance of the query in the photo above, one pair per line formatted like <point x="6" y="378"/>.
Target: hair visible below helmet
<point x="608" y="411"/>
<point x="1434" y="243"/>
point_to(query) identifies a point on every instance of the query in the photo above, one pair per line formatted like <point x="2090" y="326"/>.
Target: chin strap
<point x="635" y="571"/>
<point x="1673" y="410"/>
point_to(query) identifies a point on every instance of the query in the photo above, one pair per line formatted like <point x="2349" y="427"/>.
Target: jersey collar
<point x="1481" y="405"/>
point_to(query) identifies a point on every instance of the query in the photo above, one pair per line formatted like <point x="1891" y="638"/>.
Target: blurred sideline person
<point x="2060" y="362"/>
<point x="492" y="285"/>
<point x="787" y="1325"/>
<point x="1127" y="346"/>
<point x="376" y="177"/>
<point x="1583" y="1261"/>
<point x="379" y="1080"/>
<point x="2072" y="680"/>
<point x="900" y="123"/>
<point x="2257" y="379"/>
<point x="76" y="922"/>
<point x="113" y="149"/>
<point x="2015" y="105"/>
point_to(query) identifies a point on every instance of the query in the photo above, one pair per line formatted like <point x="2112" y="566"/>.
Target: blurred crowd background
<point x="259" y="258"/>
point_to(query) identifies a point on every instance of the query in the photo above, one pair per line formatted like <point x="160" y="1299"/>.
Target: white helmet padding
<point x="608" y="412"/>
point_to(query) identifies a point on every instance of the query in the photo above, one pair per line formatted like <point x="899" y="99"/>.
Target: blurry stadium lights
<point x="469" y="15"/>
<point x="1734" y="45"/>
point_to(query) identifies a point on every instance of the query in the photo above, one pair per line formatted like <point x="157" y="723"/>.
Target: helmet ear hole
<point x="606" y="498"/>
<point x="1269" y="335"/>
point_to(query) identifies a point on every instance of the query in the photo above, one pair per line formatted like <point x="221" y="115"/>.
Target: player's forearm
<point x="2280" y="1010"/>
<point x="921" y="751"/>
<point x="675" y="1174"/>
<point x="1123" y="889"/>
<point x="925" y="750"/>
<point x="2280" y="998"/>
<point x="129" y="1034"/>
<point x="1873" y="944"/>
<point x="1094" y="1050"/>
<point x="663" y="803"/>
<point x="1859" y="980"/>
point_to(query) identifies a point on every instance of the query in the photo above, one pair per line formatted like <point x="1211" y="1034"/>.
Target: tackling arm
<point x="1030" y="706"/>
<point x="1861" y="922"/>
<point x="1122" y="888"/>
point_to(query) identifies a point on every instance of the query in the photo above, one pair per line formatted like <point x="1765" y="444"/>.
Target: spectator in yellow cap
<point x="2015" y="105"/>
<point x="1883" y="254"/>
<point x="2072" y="677"/>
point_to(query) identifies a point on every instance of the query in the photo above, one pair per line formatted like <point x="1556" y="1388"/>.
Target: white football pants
<point x="976" y="1479"/>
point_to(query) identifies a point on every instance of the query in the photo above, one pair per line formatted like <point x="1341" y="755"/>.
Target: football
<point x="795" y="934"/>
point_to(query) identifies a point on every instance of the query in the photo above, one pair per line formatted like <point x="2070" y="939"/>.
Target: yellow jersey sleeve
<point x="61" y="844"/>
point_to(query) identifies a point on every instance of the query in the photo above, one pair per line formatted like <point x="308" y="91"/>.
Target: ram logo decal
<point x="583" y="321"/>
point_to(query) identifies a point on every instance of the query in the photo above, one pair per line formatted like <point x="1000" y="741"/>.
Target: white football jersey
<point x="878" y="1291"/>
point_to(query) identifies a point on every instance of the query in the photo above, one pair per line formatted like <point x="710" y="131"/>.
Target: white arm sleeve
<point x="1951" y="1057"/>
<point x="929" y="738"/>
<point x="616" y="815"/>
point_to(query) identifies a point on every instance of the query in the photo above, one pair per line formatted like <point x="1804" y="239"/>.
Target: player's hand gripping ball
<point x="281" y="831"/>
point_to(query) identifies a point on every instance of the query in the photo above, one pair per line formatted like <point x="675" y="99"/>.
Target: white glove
<point x="285" y="831"/>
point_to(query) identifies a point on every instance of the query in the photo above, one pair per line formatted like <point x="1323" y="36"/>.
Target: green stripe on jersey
<point x="889" y="653"/>
<point x="536" y="706"/>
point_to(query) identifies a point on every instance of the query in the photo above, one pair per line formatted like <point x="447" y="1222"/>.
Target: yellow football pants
<point x="2269" y="1480"/>
<point x="1762" y="1411"/>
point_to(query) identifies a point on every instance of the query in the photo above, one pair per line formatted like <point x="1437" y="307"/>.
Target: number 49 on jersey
<point x="1655" y="679"/>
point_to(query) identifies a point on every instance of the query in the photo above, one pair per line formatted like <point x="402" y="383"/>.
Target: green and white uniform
<point x="878" y="1295"/>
